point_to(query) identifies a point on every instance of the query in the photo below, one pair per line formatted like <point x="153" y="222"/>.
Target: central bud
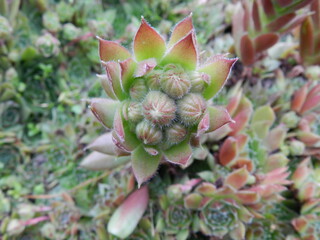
<point x="158" y="108"/>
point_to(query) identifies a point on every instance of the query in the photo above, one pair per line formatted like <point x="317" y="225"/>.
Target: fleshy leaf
<point x="183" y="52"/>
<point x="99" y="161"/>
<point x="218" y="70"/>
<point x="238" y="178"/>
<point x="306" y="38"/>
<point x="248" y="197"/>
<point x="145" y="66"/>
<point x="192" y="201"/>
<point x="128" y="67"/>
<point x="179" y="153"/>
<point x="112" y="51"/>
<point x="228" y="151"/>
<point x="104" y="110"/>
<point x="107" y="86"/>
<point x="103" y="144"/>
<point x="127" y="216"/>
<point x="148" y="43"/>
<point x="268" y="7"/>
<point x="264" y="114"/>
<point x="114" y="75"/>
<point x="265" y="41"/>
<point x="256" y="16"/>
<point x="247" y="51"/>
<point x="280" y="22"/>
<point x="218" y="117"/>
<point x="181" y="30"/>
<point x="144" y="165"/>
<point x="299" y="98"/>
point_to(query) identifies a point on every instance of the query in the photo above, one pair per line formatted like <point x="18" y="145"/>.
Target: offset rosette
<point x="158" y="96"/>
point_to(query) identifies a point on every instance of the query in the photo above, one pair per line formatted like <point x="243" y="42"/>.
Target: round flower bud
<point x="138" y="89"/>
<point x="175" y="133"/>
<point x="198" y="81"/>
<point x="135" y="112"/>
<point x="158" y="108"/>
<point x="296" y="148"/>
<point x="191" y="108"/>
<point x="153" y="79"/>
<point x="149" y="134"/>
<point x="175" y="83"/>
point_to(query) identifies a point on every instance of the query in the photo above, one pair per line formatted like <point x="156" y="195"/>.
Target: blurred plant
<point x="257" y="25"/>
<point x="309" y="36"/>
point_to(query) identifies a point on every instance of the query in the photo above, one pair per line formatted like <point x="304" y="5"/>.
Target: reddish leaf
<point x="280" y="22"/>
<point x="125" y="219"/>
<point x="247" y="52"/>
<point x="238" y="178"/>
<point x="299" y="98"/>
<point x="112" y="51"/>
<point x="148" y="43"/>
<point x="128" y="67"/>
<point x="114" y="75"/>
<point x="181" y="30"/>
<point x="218" y="70"/>
<point x="218" y="117"/>
<point x="179" y="153"/>
<point x="268" y="7"/>
<point x="284" y="3"/>
<point x="228" y="151"/>
<point x="265" y="41"/>
<point x="256" y="16"/>
<point x="183" y="52"/>
<point x="104" y="110"/>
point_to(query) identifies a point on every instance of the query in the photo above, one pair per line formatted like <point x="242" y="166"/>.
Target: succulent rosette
<point x="158" y="96"/>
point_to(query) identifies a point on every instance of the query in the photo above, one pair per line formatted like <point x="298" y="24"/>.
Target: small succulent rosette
<point x="158" y="96"/>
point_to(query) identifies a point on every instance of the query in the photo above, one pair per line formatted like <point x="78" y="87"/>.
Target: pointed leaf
<point x="280" y="22"/>
<point x="218" y="70"/>
<point x="112" y="51"/>
<point x="218" y="117"/>
<point x="179" y="153"/>
<point x="299" y="98"/>
<point x="127" y="216"/>
<point x="264" y="114"/>
<point x="193" y="201"/>
<point x="311" y="103"/>
<point x="104" y="110"/>
<point x="107" y="86"/>
<point x="181" y="30"/>
<point x="183" y="52"/>
<point x="128" y="68"/>
<point x="256" y="16"/>
<point x="144" y="165"/>
<point x="148" y="43"/>
<point x="103" y="144"/>
<point x="247" y="51"/>
<point x="265" y="41"/>
<point x="114" y="74"/>
<point x="276" y="138"/>
<point x="268" y="7"/>
<point x="306" y="38"/>
<point x="99" y="162"/>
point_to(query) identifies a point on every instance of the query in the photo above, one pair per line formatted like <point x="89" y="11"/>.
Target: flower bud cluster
<point x="165" y="104"/>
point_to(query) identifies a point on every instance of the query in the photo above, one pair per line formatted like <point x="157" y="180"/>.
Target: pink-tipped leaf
<point x="179" y="153"/>
<point x="127" y="216"/>
<point x="104" y="110"/>
<point x="112" y="51"/>
<point x="218" y="70"/>
<point x="144" y="165"/>
<point x="148" y="43"/>
<point x="181" y="30"/>
<point x="218" y="117"/>
<point x="183" y="52"/>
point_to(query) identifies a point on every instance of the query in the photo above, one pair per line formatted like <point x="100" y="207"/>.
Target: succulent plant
<point x="257" y="25"/>
<point x="309" y="36"/>
<point x="158" y="97"/>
